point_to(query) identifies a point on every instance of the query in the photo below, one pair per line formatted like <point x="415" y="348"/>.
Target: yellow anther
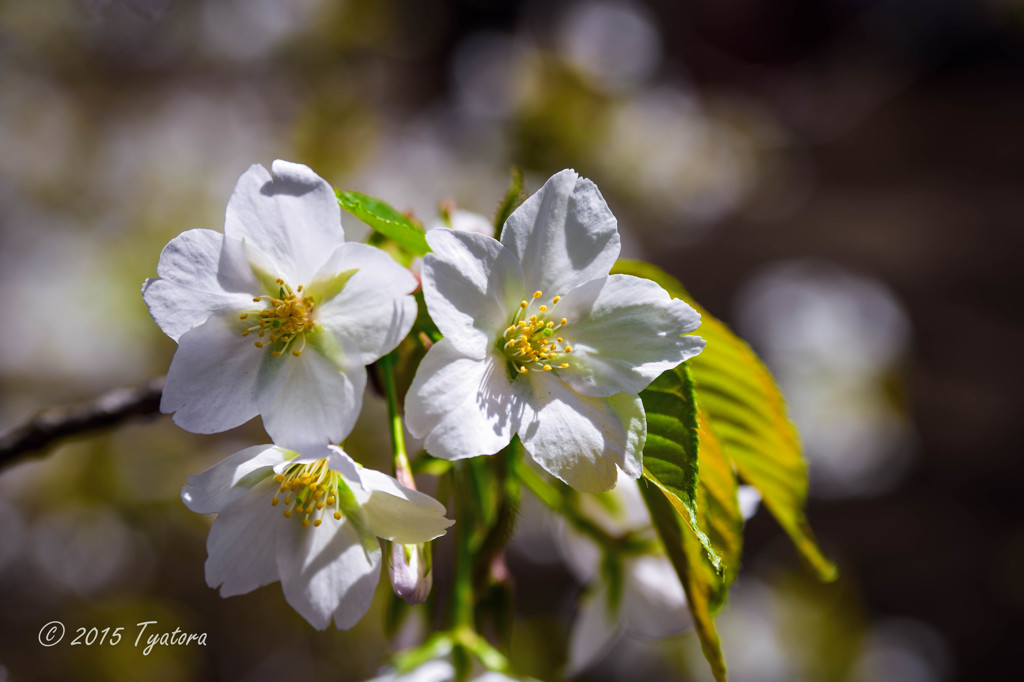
<point x="556" y="299"/>
<point x="257" y="299"/>
<point x="330" y="499"/>
<point x="337" y="515"/>
<point x="522" y="304"/>
<point x="246" y="332"/>
<point x="305" y="523"/>
<point x="257" y="344"/>
<point x="568" y="349"/>
<point x="560" y="340"/>
<point x="317" y="522"/>
<point x="564" y="365"/>
<point x="243" y="316"/>
<point x="287" y="513"/>
<point x="296" y="353"/>
<point x="522" y="368"/>
<point x="274" y="501"/>
<point x="276" y="353"/>
<point x="538" y="294"/>
<point x="279" y="280"/>
<point x="543" y="308"/>
<point x="547" y="368"/>
<point x="279" y="478"/>
<point x="564" y="320"/>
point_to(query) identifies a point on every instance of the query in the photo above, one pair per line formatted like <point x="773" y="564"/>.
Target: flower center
<point x="284" y="322"/>
<point x="532" y="341"/>
<point x="312" y="490"/>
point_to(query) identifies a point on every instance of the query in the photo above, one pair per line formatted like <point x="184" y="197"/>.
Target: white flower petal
<point x="374" y="309"/>
<point x="594" y="630"/>
<point x="241" y="543"/>
<point x="188" y="290"/>
<point x="339" y="460"/>
<point x="308" y="401"/>
<point x="326" y="571"/>
<point x="397" y="513"/>
<point x="653" y="600"/>
<point x="472" y="285"/>
<point x="292" y="216"/>
<point x="211" y="384"/>
<point x="464" y="407"/>
<point x="624" y="332"/>
<point x="580" y="439"/>
<point x="230" y="479"/>
<point x="563" y="235"/>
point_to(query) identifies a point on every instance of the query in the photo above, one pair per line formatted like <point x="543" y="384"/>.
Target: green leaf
<point x="699" y="578"/>
<point x="671" y="451"/>
<point x="722" y="519"/>
<point x="747" y="413"/>
<point x="383" y="218"/>
<point x="685" y="508"/>
<point x="512" y="199"/>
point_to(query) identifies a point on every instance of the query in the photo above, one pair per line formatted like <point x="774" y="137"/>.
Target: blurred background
<point x="841" y="181"/>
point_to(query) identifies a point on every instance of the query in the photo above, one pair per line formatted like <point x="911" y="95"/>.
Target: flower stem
<point x="462" y="621"/>
<point x="399" y="456"/>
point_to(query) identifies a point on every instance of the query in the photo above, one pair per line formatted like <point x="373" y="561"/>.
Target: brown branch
<point x="57" y="423"/>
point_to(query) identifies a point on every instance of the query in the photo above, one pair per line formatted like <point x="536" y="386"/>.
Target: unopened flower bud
<point x="409" y="567"/>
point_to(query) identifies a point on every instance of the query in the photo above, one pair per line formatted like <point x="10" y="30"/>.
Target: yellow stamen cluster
<point x="284" y="322"/>
<point x="530" y="343"/>
<point x="309" y="489"/>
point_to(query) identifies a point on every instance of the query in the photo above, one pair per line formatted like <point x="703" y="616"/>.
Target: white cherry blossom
<point x="542" y="342"/>
<point x="310" y="521"/>
<point x="278" y="315"/>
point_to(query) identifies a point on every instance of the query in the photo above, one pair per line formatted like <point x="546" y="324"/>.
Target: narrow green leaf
<point x="699" y="578"/>
<point x="671" y="450"/>
<point x="513" y="197"/>
<point x="383" y="218"/>
<point x="747" y="412"/>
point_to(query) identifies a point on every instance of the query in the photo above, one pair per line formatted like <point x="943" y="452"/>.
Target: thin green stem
<point x="463" y="624"/>
<point x="462" y="591"/>
<point x="399" y="455"/>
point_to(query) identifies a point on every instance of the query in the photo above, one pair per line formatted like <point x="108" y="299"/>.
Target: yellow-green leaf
<point x="747" y="413"/>
<point x="383" y="218"/>
<point x="721" y="518"/>
<point x="671" y="451"/>
<point x="700" y="579"/>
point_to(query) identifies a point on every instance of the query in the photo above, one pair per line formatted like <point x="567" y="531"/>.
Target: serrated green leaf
<point x="671" y="451"/>
<point x="383" y="218"/>
<point x="722" y="519"/>
<point x="747" y="413"/>
<point x="699" y="578"/>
